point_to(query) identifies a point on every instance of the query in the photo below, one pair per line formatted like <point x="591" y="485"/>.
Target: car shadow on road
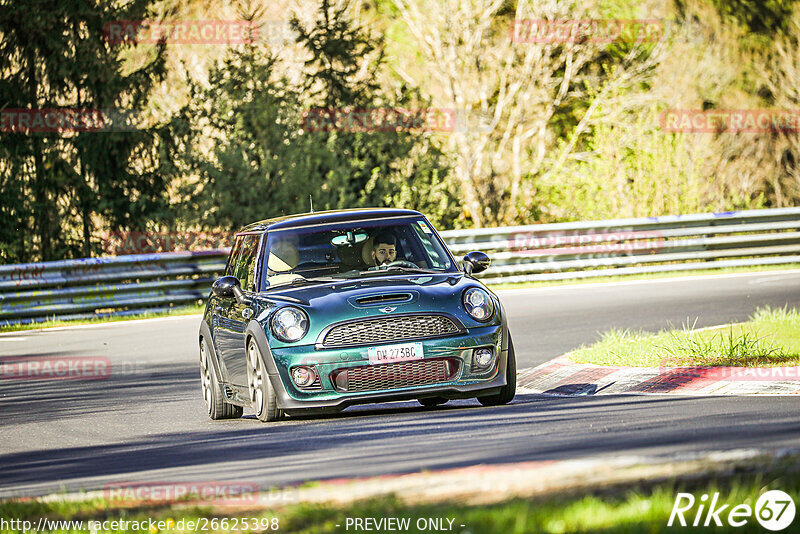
<point x="60" y="399"/>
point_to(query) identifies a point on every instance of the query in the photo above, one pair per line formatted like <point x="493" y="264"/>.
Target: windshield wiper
<point x="411" y="269"/>
<point x="296" y="282"/>
<point x="399" y="268"/>
<point x="324" y="279"/>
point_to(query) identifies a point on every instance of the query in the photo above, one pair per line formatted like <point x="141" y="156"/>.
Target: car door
<point x="224" y="337"/>
<point x="233" y="315"/>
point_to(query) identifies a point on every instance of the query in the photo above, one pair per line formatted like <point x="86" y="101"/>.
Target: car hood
<point x="371" y="297"/>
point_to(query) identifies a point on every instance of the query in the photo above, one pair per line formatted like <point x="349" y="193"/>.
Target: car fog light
<point x="303" y="376"/>
<point x="483" y="357"/>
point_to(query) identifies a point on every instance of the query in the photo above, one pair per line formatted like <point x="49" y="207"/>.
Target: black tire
<point x="216" y="406"/>
<point x="506" y="394"/>
<point x="262" y="394"/>
<point x="430" y="402"/>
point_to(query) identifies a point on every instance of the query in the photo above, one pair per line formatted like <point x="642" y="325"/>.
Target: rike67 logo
<point x="774" y="510"/>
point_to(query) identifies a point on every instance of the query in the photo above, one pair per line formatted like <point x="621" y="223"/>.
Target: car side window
<point x="233" y="258"/>
<point x="244" y="261"/>
<point x="247" y="265"/>
<point x="241" y="262"/>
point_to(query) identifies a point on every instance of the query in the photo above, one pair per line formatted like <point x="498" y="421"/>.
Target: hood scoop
<point x="377" y="300"/>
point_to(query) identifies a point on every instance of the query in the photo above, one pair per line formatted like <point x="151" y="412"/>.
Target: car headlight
<point x="478" y="304"/>
<point x="289" y="324"/>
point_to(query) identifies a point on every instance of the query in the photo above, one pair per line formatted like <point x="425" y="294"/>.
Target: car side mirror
<point x="476" y="262"/>
<point x="229" y="287"/>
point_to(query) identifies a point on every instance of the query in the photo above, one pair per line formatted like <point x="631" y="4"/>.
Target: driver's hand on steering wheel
<point x="395" y="263"/>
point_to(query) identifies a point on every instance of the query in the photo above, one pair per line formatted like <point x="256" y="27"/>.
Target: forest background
<point x="494" y="117"/>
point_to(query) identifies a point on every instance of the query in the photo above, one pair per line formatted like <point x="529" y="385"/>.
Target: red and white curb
<point x="561" y="376"/>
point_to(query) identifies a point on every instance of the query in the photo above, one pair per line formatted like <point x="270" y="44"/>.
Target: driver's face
<point x="384" y="253"/>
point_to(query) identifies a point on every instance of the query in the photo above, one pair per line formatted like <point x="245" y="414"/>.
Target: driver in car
<point x="384" y="249"/>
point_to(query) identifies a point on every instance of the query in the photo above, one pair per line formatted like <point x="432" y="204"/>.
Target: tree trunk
<point x="41" y="210"/>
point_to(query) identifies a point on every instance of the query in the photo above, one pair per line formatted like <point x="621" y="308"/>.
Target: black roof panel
<point x="325" y="217"/>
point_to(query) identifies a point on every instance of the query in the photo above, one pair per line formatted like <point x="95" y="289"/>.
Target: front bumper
<point x="464" y="382"/>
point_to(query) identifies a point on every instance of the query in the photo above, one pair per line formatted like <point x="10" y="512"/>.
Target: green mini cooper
<point x="320" y="311"/>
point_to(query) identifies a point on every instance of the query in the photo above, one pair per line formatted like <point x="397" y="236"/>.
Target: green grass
<point x="52" y="323"/>
<point x="771" y="337"/>
<point x="649" y="276"/>
<point x="633" y="508"/>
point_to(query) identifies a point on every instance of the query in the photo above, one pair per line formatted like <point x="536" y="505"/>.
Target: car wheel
<point x="262" y="394"/>
<point x="509" y="390"/>
<point x="216" y="406"/>
<point x="430" y="402"/>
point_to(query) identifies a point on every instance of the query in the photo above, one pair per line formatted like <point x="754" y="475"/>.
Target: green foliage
<point x="395" y="168"/>
<point x="731" y="348"/>
<point x="247" y="141"/>
<point x="240" y="150"/>
<point x="629" y="168"/>
<point x="770" y="338"/>
<point x="240" y="138"/>
<point x="759" y="16"/>
<point x="55" y="185"/>
<point x="636" y="502"/>
<point x="338" y="50"/>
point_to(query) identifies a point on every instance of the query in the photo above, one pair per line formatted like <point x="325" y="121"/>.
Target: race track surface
<point x="146" y="422"/>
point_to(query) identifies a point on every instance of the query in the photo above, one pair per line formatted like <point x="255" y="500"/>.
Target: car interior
<point x="326" y="253"/>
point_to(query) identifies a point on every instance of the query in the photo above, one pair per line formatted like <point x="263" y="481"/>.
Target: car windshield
<point x="352" y="250"/>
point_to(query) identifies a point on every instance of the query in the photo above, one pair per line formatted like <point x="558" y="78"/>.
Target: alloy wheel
<point x="205" y="377"/>
<point x="256" y="373"/>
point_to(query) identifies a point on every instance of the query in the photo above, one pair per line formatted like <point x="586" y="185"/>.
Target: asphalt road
<point x="146" y="421"/>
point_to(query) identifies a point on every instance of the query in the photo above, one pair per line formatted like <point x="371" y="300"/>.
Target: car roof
<point x="325" y="217"/>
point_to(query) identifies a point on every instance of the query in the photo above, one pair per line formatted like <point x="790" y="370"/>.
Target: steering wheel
<point x="402" y="263"/>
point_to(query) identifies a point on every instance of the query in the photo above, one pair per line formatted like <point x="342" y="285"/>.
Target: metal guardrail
<point x="152" y="282"/>
<point x="73" y="289"/>
<point x="671" y="243"/>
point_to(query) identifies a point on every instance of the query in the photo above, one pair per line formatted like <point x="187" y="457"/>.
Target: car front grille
<point x="395" y="375"/>
<point x="385" y="329"/>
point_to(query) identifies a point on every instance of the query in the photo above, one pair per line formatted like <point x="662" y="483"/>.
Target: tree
<point x="250" y="151"/>
<point x="241" y="147"/>
<point x="401" y="167"/>
<point x="60" y="184"/>
<point x="485" y="64"/>
<point x="778" y="152"/>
